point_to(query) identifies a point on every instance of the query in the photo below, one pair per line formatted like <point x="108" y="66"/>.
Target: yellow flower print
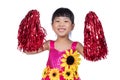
<point x="45" y="72"/>
<point x="68" y="74"/>
<point x="54" y="74"/>
<point x="70" y="60"/>
<point x="76" y="74"/>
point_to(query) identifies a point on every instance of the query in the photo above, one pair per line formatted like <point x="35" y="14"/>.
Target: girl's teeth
<point x="61" y="29"/>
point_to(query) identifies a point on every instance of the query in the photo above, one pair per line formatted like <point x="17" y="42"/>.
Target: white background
<point x="15" y="65"/>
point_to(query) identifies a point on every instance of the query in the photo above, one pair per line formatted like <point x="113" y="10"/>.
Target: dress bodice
<point x="62" y="65"/>
<point x="55" y="55"/>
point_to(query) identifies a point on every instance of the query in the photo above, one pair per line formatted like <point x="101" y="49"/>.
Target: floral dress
<point x="62" y="65"/>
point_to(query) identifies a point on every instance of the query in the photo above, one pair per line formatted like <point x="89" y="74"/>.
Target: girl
<point x="64" y="53"/>
<point x="61" y="64"/>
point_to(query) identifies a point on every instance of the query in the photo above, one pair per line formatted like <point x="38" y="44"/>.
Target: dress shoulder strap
<point x="51" y="44"/>
<point x="74" y="44"/>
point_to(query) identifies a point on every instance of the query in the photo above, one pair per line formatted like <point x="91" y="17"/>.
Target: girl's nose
<point x="61" y="24"/>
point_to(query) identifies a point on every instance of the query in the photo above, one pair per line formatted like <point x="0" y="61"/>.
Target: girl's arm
<point x="45" y="47"/>
<point x="79" y="48"/>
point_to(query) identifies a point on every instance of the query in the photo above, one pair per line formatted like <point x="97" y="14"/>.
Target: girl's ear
<point x="72" y="27"/>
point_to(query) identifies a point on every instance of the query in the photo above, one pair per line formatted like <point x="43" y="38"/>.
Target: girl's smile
<point x="61" y="29"/>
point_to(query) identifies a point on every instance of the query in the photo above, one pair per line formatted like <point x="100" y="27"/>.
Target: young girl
<point x="64" y="53"/>
<point x="62" y="62"/>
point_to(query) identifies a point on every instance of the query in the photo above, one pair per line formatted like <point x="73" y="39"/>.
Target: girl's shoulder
<point x="78" y="44"/>
<point x="47" y="44"/>
<point x="79" y="48"/>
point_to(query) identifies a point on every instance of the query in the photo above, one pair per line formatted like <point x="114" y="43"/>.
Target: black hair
<point x="65" y="12"/>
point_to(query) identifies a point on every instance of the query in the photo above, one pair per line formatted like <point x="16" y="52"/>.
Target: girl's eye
<point x="65" y="21"/>
<point x="57" y="21"/>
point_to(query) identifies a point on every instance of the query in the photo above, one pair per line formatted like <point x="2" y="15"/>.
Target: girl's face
<point x="62" y="26"/>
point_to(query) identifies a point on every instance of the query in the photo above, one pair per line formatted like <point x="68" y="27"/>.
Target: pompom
<point x="30" y="33"/>
<point x="95" y="46"/>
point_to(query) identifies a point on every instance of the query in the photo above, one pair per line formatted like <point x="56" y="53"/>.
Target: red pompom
<point x="30" y="34"/>
<point x="95" y="46"/>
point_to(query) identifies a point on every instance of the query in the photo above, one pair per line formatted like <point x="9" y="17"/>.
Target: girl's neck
<point x="63" y="39"/>
<point x="62" y="43"/>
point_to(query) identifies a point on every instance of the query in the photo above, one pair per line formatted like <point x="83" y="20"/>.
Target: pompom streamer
<point x="95" y="46"/>
<point x="30" y="33"/>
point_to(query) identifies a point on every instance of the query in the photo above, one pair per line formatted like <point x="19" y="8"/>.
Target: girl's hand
<point x="32" y="52"/>
<point x="45" y="47"/>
